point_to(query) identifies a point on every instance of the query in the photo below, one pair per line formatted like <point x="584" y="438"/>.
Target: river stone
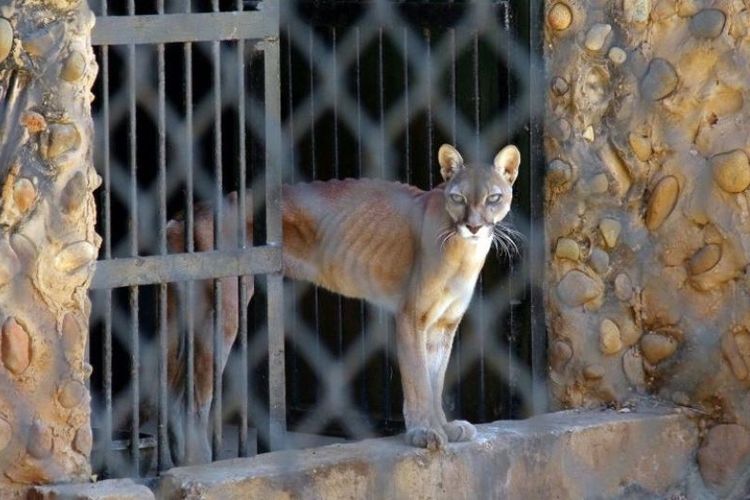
<point x="660" y="80"/>
<point x="662" y="201"/>
<point x="617" y="55"/>
<point x="559" y="86"/>
<point x="731" y="171"/>
<point x="641" y="146"/>
<point x="636" y="11"/>
<point x="567" y="249"/>
<point x="657" y="347"/>
<point x="6" y="38"/>
<point x="560" y="17"/>
<point x="597" y="36"/>
<point x="599" y="260"/>
<point x="705" y="259"/>
<point x="577" y="288"/>
<point x="610" y="341"/>
<point x="707" y="23"/>
<point x="610" y="229"/>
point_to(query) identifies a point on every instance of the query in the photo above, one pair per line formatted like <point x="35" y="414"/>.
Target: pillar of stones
<point x="47" y="240"/>
<point x="648" y="211"/>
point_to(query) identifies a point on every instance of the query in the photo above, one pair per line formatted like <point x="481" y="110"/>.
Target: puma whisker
<point x="417" y="253"/>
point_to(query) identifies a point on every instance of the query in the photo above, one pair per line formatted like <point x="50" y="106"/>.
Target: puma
<point x="417" y="253"/>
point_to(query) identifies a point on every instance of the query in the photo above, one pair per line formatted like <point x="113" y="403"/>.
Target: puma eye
<point x="457" y="198"/>
<point x="494" y="198"/>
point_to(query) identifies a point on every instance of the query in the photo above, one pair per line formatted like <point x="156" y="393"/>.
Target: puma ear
<point x="507" y="162"/>
<point x="450" y="161"/>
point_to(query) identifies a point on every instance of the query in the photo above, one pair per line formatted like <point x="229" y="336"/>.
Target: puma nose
<point x="473" y="229"/>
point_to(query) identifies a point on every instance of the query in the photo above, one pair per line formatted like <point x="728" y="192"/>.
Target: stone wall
<point x="47" y="240"/>
<point x="648" y="213"/>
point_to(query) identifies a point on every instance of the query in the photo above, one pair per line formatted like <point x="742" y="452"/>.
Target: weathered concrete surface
<point x="48" y="243"/>
<point x="586" y="454"/>
<point x="115" y="489"/>
<point x="648" y="209"/>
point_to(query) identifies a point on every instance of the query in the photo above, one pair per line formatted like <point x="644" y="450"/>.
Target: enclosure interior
<point x="368" y="89"/>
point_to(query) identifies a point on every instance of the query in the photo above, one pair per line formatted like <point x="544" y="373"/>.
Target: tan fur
<point x="417" y="253"/>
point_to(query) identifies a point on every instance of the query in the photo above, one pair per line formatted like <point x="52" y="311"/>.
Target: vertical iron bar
<point x="363" y="329"/>
<point x="107" y="347"/>
<point x="314" y="172"/>
<point x="276" y="370"/>
<point x="383" y="317"/>
<point x="480" y="284"/>
<point x="428" y="63"/>
<point x="293" y="326"/>
<point x="458" y="340"/>
<point x="242" y="220"/>
<point x="163" y="450"/>
<point x="336" y="174"/>
<point x="511" y="324"/>
<point x="218" y="339"/>
<point x="536" y="229"/>
<point x="190" y="426"/>
<point x="407" y="108"/>
<point x="133" y="292"/>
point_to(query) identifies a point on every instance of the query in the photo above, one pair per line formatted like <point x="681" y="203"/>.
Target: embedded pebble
<point x="6" y="433"/>
<point x="62" y="137"/>
<point x="636" y="11"/>
<point x="71" y="393"/>
<point x="23" y="247"/>
<point x="599" y="260"/>
<point x="83" y="440"/>
<point x="16" y="347"/>
<point x="9" y="265"/>
<point x="660" y="80"/>
<point x="731" y="352"/>
<point x="707" y="23"/>
<point x="681" y="398"/>
<point x="73" y="67"/>
<point x="6" y="38"/>
<point x="704" y="259"/>
<point x="75" y="256"/>
<point x="561" y="129"/>
<point x="599" y="184"/>
<point x="662" y="201"/>
<point x="623" y="287"/>
<point x="24" y="194"/>
<point x="39" y="43"/>
<point x="610" y="341"/>
<point x="593" y="372"/>
<point x="597" y="36"/>
<point x="33" y="121"/>
<point x="617" y="55"/>
<point x="577" y="288"/>
<point x="560" y="354"/>
<point x="559" y="86"/>
<point x="559" y="173"/>
<point x="731" y="171"/>
<point x="610" y="229"/>
<point x="632" y="366"/>
<point x="657" y="347"/>
<point x="74" y="193"/>
<point x="588" y="134"/>
<point x="559" y="17"/>
<point x="40" y="440"/>
<point x="567" y="249"/>
<point x="688" y="8"/>
<point x="641" y="146"/>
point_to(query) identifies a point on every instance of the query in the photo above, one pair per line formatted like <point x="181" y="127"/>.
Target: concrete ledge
<point x="592" y="454"/>
<point x="113" y="489"/>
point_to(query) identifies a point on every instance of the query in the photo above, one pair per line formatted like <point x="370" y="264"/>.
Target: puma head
<point x="478" y="196"/>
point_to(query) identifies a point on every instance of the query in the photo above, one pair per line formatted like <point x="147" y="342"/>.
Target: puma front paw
<point x="459" y="430"/>
<point x="426" y="437"/>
